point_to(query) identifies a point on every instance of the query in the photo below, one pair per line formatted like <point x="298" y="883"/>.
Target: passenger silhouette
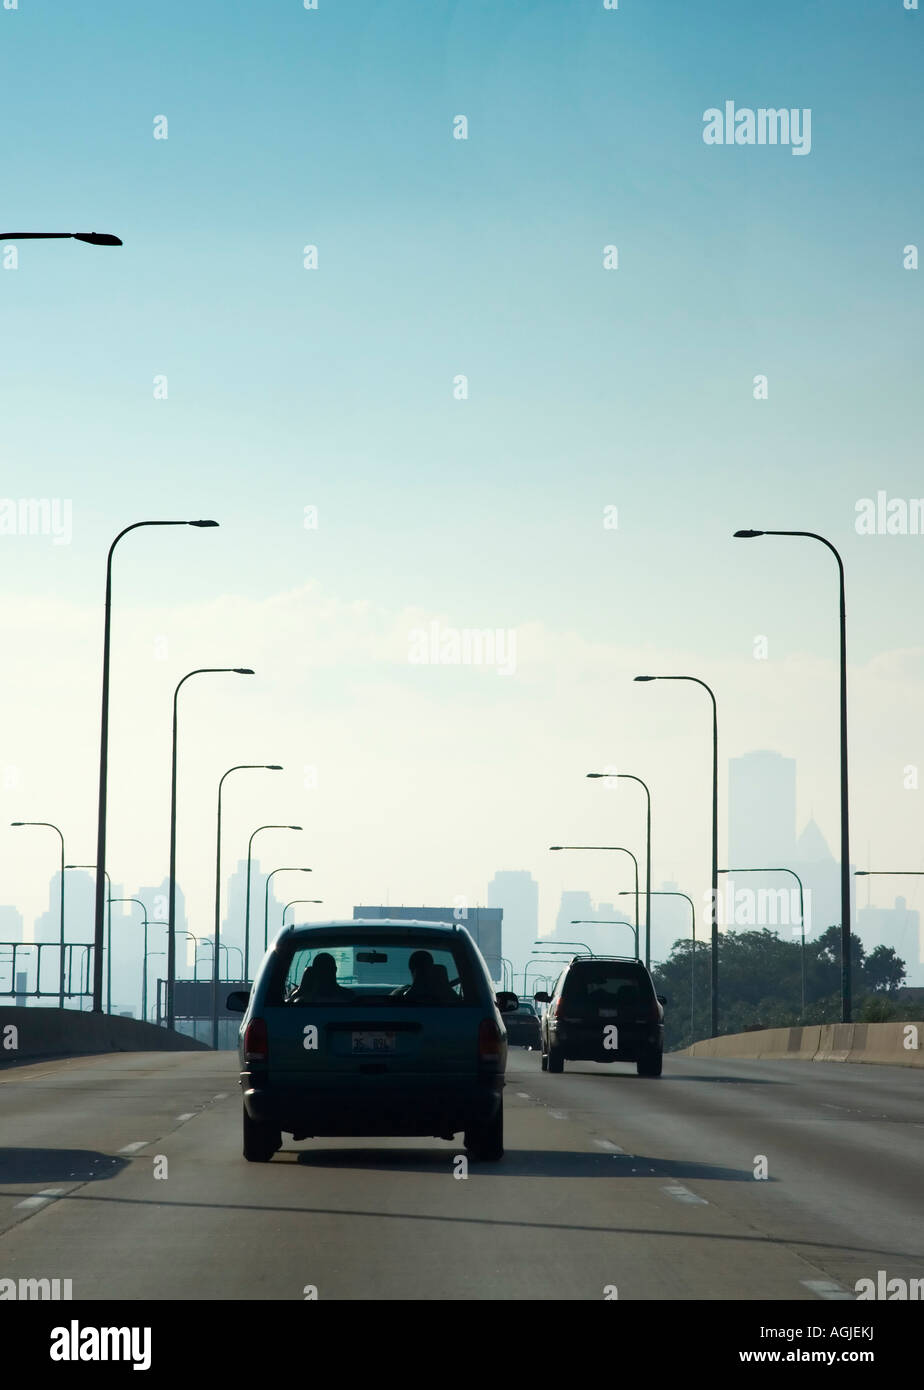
<point x="305" y="986"/>
<point x="420" y="963"/>
<point x="319" y="982"/>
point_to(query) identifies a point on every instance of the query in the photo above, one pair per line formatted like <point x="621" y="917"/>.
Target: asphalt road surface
<point x="609" y="1181"/>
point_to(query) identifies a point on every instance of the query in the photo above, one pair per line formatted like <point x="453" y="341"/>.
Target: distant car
<point x="373" y="1028"/>
<point x="603" y="1009"/>
<point x="523" y="1025"/>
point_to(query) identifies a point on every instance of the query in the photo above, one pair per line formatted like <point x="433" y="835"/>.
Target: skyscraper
<point x="761" y="810"/>
<point x="517" y="893"/>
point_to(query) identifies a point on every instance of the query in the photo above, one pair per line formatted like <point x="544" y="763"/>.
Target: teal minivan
<point x="373" y="1028"/>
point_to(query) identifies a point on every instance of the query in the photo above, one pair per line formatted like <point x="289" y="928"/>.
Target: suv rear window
<point x="389" y="970"/>
<point x="608" y="983"/>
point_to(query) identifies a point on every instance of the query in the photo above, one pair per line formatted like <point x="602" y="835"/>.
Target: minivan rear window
<point x="390" y="971"/>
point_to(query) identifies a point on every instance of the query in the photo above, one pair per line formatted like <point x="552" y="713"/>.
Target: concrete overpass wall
<point x="889" y="1044"/>
<point x="27" y="1034"/>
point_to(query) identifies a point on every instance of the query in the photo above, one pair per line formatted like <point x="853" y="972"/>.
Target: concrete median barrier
<point x="885" y="1044"/>
<point x="30" y="1034"/>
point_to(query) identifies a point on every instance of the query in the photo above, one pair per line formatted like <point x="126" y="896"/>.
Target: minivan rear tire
<point x="556" y="1059"/>
<point x="260" y="1140"/>
<point x="485" y="1142"/>
<point x="651" y="1064"/>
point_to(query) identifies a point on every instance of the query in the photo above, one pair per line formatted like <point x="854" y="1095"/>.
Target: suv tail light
<point x="256" y="1041"/>
<point x="558" y="1012"/>
<point x="655" y="1011"/>
<point x="489" y="1041"/>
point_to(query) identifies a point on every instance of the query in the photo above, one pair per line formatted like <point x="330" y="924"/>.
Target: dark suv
<point x="603" y="1009"/>
<point x="373" y="1028"/>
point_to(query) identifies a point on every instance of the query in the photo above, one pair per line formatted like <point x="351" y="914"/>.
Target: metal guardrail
<point x="26" y="958"/>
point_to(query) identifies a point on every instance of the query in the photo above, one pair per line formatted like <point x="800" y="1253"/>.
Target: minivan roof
<point x="369" y="924"/>
<point x="584" y="959"/>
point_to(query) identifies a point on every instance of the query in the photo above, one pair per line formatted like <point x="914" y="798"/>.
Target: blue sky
<point x="437" y="257"/>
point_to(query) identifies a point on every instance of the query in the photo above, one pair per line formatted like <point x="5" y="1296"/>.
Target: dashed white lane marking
<point x="47" y="1194"/>
<point x="222" y="1095"/>
<point x="825" y="1288"/>
<point x="610" y="1147"/>
<point x="133" y="1148"/>
<point x="558" y="1114"/>
<point x="683" y="1194"/>
<point x="524" y="1095"/>
<point x="188" y="1116"/>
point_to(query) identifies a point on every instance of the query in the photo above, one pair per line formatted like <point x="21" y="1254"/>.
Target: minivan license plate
<point x="373" y="1042"/>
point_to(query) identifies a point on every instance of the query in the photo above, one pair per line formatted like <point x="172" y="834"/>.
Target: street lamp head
<point x="202" y="523"/>
<point x="242" y="671"/>
<point x="17" y="822"/>
<point x="861" y="873"/>
<point x="273" y="767"/>
<point x="97" y="238"/>
<point x="293" y="827"/>
<point x="747" y="535"/>
<point x="645" y="678"/>
<point x="553" y="847"/>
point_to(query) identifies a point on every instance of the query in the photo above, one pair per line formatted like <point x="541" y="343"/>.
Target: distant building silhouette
<point x="482" y="923"/>
<point x="11" y="924"/>
<point x="232" y="927"/>
<point x="899" y="927"/>
<point x="575" y="903"/>
<point x="761" y="810"/>
<point x="516" y="893"/>
<point x="821" y="875"/>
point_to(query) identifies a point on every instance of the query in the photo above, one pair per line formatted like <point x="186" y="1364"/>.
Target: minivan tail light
<point x="655" y="1011"/>
<point x="555" y="1007"/>
<point x="256" y="1041"/>
<point x="489" y="1041"/>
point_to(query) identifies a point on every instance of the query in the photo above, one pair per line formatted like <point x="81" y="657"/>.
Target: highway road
<point x="609" y="1181"/>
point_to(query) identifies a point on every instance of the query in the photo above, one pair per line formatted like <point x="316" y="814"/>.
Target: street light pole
<point x="780" y="870"/>
<point x="91" y="238"/>
<point x="104" y="761"/>
<point x="247" y="906"/>
<point x="846" y="989"/>
<point x="298" y="900"/>
<point x="607" y="922"/>
<point x="621" y="850"/>
<point x="540" y="960"/>
<point x="171" y="914"/>
<point x="239" y="767"/>
<point x="672" y="893"/>
<point x="269" y="876"/>
<point x="195" y="940"/>
<point x="108" y="931"/>
<point x="715" y="838"/>
<point x="630" y="777"/>
<point x="144" y="978"/>
<point x="50" y="826"/>
<point x="154" y="953"/>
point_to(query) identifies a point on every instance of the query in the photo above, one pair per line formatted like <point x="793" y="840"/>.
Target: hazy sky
<point x="336" y="388"/>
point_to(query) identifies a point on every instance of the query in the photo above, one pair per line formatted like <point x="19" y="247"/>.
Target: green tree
<point x="760" y="979"/>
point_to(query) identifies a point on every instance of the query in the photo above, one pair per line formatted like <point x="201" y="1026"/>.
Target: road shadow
<point x="516" y="1163"/>
<point x="19" y="1166"/>
<point x="727" y="1080"/>
<point x="603" y="1069"/>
